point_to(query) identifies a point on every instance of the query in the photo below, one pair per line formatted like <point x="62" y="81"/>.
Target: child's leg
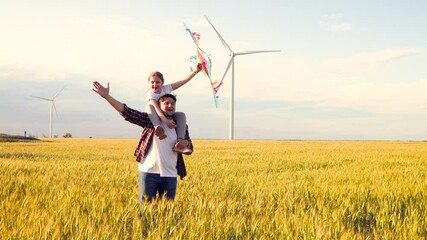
<point x="181" y="145"/>
<point x="155" y="120"/>
<point x="181" y="123"/>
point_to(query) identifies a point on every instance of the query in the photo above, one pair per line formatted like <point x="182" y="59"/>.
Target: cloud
<point x="333" y="23"/>
<point x="106" y="47"/>
<point x="340" y="27"/>
<point x="393" y="98"/>
<point x="390" y="98"/>
<point x="333" y="16"/>
<point x="351" y="82"/>
<point x="191" y="23"/>
<point x="364" y="63"/>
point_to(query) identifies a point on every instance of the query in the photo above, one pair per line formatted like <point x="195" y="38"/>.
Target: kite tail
<point x="217" y="87"/>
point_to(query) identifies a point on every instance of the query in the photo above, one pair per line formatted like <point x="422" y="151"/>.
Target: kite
<point x="202" y="58"/>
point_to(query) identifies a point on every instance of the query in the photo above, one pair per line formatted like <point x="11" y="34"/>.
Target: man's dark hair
<point x="167" y="95"/>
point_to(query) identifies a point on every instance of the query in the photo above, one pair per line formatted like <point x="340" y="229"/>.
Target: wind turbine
<point x="231" y="63"/>
<point x="52" y="107"/>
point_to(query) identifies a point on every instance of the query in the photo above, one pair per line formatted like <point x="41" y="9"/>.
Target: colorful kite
<point x="203" y="59"/>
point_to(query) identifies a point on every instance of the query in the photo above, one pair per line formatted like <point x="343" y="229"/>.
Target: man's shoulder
<point x="130" y="113"/>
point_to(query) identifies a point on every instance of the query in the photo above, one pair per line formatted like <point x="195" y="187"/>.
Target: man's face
<point x="168" y="106"/>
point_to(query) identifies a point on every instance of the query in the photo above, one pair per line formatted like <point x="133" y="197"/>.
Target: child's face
<point x="156" y="84"/>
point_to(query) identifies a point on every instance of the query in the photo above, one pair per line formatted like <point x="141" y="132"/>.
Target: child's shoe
<point x="184" y="150"/>
<point x="181" y="146"/>
<point x="160" y="132"/>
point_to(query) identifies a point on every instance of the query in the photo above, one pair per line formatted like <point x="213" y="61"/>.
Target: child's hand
<point x="199" y="67"/>
<point x="171" y="123"/>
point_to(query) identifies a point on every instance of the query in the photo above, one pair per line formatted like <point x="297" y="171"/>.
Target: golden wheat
<point x="87" y="189"/>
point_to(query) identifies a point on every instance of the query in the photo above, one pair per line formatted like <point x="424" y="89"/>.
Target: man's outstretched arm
<point x="105" y="93"/>
<point x="133" y="116"/>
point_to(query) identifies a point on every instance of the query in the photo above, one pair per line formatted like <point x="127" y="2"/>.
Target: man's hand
<point x="101" y="90"/>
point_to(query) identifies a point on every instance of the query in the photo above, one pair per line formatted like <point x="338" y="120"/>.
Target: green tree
<point x="68" y="135"/>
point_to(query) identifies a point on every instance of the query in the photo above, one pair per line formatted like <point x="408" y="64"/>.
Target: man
<point x="158" y="165"/>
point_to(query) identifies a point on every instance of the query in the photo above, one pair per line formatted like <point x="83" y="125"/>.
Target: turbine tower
<point x="52" y="107"/>
<point x="231" y="63"/>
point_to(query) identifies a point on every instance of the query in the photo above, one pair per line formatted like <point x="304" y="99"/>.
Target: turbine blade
<point x="219" y="35"/>
<point x="228" y="67"/>
<point x="253" y="52"/>
<point x="54" y="108"/>
<point x="41" y="98"/>
<point x="58" y="93"/>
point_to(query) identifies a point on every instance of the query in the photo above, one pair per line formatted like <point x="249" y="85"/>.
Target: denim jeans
<point x="151" y="184"/>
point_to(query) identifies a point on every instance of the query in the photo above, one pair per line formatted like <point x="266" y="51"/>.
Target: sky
<point x="346" y="70"/>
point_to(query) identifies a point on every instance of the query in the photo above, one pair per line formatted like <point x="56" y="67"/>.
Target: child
<point x="157" y="89"/>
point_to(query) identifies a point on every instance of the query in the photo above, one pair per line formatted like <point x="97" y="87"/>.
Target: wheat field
<point x="87" y="189"/>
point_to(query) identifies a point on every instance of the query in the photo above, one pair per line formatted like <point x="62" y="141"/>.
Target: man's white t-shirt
<point x="160" y="158"/>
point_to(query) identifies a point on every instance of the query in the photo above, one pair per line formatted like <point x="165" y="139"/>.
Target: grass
<point x="16" y="138"/>
<point x="87" y="189"/>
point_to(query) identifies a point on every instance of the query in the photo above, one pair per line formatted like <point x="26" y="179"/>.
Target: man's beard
<point x="168" y="114"/>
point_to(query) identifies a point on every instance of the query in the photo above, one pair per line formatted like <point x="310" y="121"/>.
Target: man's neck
<point x="167" y="115"/>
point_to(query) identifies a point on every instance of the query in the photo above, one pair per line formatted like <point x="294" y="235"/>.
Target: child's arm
<point x="178" y="84"/>
<point x="169" y="122"/>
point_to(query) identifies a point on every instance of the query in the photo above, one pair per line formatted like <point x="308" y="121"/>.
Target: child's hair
<point x="156" y="74"/>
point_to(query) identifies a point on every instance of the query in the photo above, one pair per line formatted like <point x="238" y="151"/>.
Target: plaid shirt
<point x="141" y="119"/>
